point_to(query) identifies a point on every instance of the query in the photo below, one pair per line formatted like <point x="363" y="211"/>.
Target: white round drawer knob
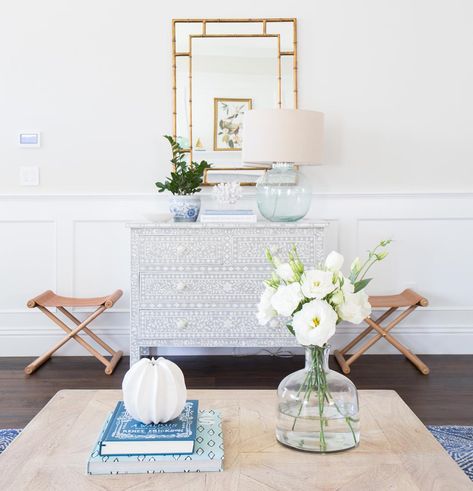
<point x="182" y="324"/>
<point x="180" y="250"/>
<point x="181" y="286"/>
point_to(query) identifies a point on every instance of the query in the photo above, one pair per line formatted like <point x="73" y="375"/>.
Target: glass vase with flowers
<point x="318" y="408"/>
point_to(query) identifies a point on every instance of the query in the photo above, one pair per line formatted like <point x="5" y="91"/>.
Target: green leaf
<point x="185" y="178"/>
<point x="290" y="329"/>
<point x="359" y="285"/>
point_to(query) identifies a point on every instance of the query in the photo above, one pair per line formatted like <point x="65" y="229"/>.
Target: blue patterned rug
<point x="6" y="437"/>
<point x="456" y="440"/>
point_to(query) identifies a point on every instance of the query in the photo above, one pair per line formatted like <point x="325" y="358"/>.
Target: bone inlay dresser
<point x="197" y="285"/>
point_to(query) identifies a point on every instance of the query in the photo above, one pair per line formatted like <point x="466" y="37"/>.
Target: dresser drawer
<point x="204" y="290"/>
<point x="158" y="251"/>
<point x="252" y="249"/>
<point x="198" y="324"/>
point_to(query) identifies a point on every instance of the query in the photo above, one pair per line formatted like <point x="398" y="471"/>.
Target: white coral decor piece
<point x="154" y="391"/>
<point x="227" y="193"/>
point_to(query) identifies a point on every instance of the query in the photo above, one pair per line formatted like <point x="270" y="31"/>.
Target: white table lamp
<point x="283" y="138"/>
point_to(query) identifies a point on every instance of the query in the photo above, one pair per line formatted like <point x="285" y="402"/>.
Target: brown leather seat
<point x="50" y="299"/>
<point x="404" y="299"/>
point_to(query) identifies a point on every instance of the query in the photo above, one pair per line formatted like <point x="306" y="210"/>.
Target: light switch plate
<point x="29" y="139"/>
<point x="29" y="175"/>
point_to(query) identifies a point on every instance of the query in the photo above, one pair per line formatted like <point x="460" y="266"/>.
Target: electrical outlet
<point x="29" y="175"/>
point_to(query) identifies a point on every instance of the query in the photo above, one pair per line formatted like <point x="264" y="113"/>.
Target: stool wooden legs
<point x="381" y="333"/>
<point x="415" y="360"/>
<point x="110" y="367"/>
<point x="116" y="355"/>
<point x="73" y="333"/>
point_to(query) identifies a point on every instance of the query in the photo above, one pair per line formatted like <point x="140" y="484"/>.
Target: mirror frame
<point x="263" y="22"/>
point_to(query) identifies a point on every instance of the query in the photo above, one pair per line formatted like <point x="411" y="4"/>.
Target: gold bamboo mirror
<point x="221" y="69"/>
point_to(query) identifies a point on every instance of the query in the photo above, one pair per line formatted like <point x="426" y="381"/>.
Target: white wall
<point x="393" y="77"/>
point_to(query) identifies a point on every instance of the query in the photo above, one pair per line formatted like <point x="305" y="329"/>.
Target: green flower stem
<point x="307" y="383"/>
<point x="373" y="261"/>
<point x="316" y="379"/>
<point x="347" y="418"/>
<point x="373" y="257"/>
<point x="321" y="390"/>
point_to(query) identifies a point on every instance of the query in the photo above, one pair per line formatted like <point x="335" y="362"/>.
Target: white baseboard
<point x="454" y="340"/>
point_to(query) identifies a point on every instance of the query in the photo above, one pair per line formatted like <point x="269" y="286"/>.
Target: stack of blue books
<point x="192" y="442"/>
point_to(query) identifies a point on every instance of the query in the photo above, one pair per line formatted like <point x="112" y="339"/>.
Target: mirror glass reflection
<point x="230" y="75"/>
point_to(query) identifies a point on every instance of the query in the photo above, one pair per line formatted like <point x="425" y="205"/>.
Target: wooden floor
<point x="443" y="397"/>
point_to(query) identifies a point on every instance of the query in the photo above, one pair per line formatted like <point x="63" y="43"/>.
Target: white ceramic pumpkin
<point x="154" y="391"/>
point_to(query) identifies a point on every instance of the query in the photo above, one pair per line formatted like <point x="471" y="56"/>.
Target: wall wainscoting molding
<point x="79" y="245"/>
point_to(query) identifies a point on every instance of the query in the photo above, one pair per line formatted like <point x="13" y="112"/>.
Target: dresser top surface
<point x="199" y="225"/>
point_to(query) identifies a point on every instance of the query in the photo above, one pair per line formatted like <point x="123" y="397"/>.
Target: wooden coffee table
<point x="396" y="449"/>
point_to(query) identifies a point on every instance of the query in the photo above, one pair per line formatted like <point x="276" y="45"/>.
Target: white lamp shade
<point x="283" y="135"/>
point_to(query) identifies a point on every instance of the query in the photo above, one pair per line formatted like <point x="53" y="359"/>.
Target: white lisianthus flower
<point x="266" y="311"/>
<point x="286" y="299"/>
<point x="334" y="261"/>
<point x="285" y="272"/>
<point x="315" y="323"/>
<point x="355" y="308"/>
<point x="317" y="283"/>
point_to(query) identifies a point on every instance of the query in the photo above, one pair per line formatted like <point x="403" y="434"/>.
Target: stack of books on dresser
<point x="233" y="216"/>
<point x="192" y="442"/>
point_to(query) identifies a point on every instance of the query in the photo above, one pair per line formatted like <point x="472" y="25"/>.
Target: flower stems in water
<point x="321" y="389"/>
<point x="316" y="380"/>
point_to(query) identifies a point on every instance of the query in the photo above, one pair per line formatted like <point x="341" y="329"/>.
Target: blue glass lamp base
<point x="283" y="194"/>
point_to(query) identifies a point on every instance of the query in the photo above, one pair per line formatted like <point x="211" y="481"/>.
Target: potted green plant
<point x="185" y="181"/>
